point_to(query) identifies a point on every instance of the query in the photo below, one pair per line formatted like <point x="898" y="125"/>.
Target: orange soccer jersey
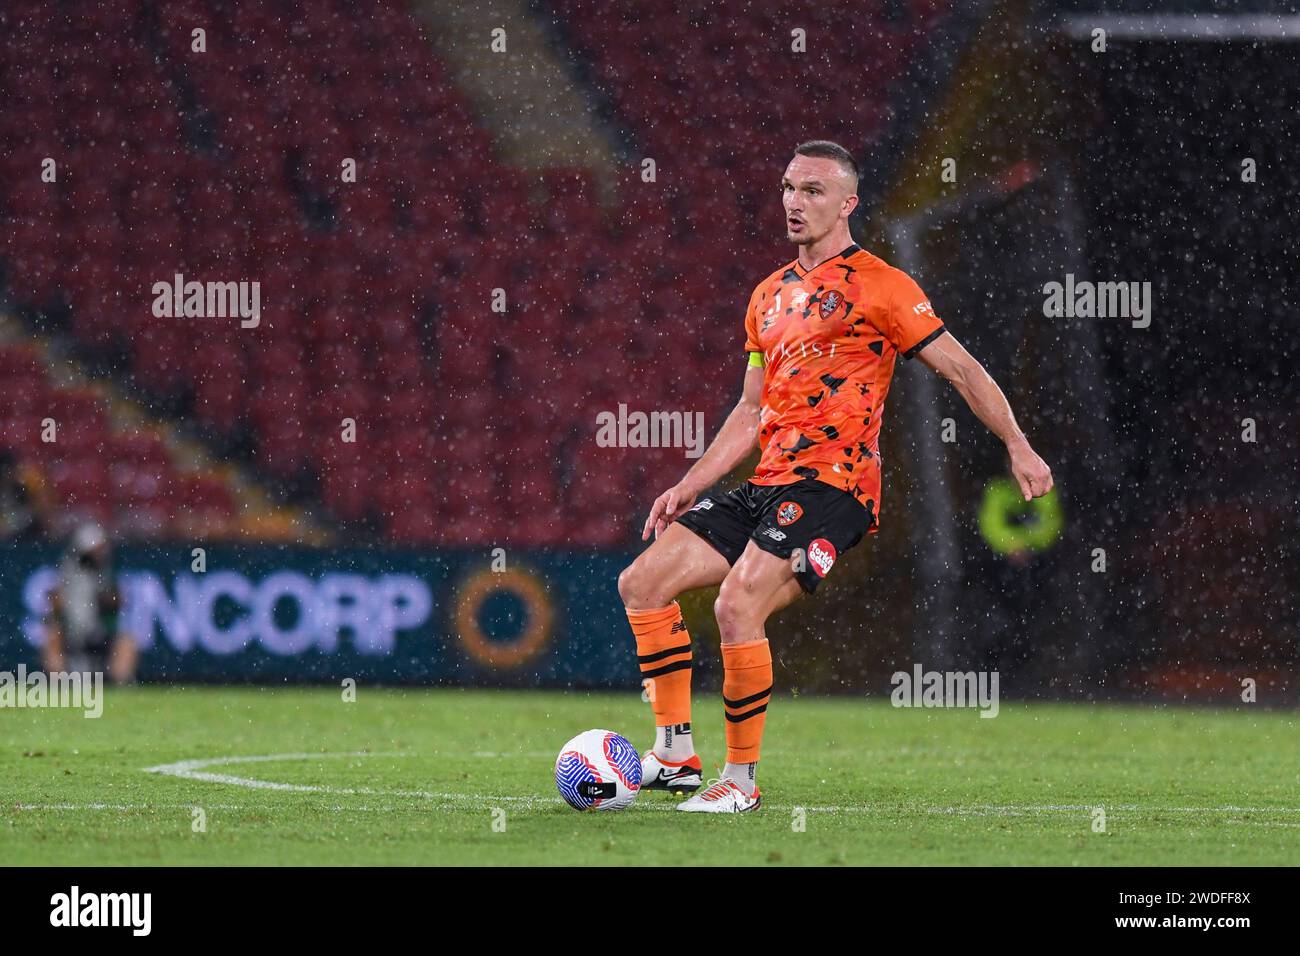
<point x="829" y="338"/>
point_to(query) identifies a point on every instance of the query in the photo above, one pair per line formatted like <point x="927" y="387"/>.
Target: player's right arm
<point x="736" y="439"/>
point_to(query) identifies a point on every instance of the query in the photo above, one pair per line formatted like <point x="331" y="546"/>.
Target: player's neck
<point x="830" y="245"/>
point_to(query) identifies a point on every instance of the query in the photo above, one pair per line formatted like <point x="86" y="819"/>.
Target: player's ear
<point x="850" y="204"/>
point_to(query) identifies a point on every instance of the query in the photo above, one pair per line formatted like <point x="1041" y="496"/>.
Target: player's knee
<point x="637" y="588"/>
<point x="735" y="608"/>
<point x="733" y="619"/>
<point x="627" y="584"/>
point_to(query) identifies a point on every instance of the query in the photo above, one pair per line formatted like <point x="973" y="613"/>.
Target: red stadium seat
<point x="376" y="295"/>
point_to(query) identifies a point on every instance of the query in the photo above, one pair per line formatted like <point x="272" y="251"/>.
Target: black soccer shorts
<point x="808" y="515"/>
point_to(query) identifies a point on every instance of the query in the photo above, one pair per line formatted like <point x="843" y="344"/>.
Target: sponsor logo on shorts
<point x="774" y="534"/>
<point x="821" y="555"/>
<point x="788" y="513"/>
<point x="704" y="505"/>
<point x="830" y="302"/>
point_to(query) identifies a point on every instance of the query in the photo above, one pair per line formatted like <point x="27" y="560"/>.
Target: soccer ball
<point x="598" y="770"/>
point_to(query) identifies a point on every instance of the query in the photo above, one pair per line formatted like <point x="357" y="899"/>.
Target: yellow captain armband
<point x="756" y="360"/>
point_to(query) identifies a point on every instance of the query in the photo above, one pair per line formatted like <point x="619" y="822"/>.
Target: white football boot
<point x="660" y="774"/>
<point x="722" y="796"/>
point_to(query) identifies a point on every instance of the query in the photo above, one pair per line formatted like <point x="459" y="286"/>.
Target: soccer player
<point x="83" y="633"/>
<point x="822" y="334"/>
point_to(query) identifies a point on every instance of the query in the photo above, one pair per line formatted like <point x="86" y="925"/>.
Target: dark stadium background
<point x="475" y="429"/>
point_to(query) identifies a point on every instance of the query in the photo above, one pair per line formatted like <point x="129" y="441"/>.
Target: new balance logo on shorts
<point x="704" y="505"/>
<point x="774" y="534"/>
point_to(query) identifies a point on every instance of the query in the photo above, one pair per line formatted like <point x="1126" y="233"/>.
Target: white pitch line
<point x="237" y="807"/>
<point x="1120" y="808"/>
<point x="485" y="801"/>
<point x="520" y="755"/>
<point x="44" y="807"/>
<point x="195" y="770"/>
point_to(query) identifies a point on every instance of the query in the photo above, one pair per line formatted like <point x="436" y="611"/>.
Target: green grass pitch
<point x="465" y="777"/>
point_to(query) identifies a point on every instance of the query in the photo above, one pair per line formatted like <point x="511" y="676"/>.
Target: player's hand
<point x="1030" y="471"/>
<point x="668" y="507"/>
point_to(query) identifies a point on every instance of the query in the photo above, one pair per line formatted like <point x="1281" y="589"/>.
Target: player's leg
<point x="799" y="533"/>
<point x="123" y="660"/>
<point x="695" y="551"/>
<point x="678" y="561"/>
<point x="54" y="653"/>
<point x="759" y="585"/>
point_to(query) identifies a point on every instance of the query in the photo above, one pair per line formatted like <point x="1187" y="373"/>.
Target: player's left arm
<point x="946" y="356"/>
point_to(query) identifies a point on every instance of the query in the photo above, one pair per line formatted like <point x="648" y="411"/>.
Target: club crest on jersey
<point x="788" y="513"/>
<point x="830" y="302"/>
<point x="821" y="555"/>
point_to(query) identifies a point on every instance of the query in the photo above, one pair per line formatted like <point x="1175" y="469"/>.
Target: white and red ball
<point x="598" y="770"/>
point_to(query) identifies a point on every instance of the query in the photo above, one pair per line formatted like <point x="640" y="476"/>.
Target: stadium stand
<point x="473" y="426"/>
<point x="124" y="479"/>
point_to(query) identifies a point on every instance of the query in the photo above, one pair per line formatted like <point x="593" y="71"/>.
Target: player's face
<point x="817" y="194"/>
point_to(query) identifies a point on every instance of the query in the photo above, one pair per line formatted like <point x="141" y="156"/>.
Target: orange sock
<point x="746" y="689"/>
<point x="663" y="649"/>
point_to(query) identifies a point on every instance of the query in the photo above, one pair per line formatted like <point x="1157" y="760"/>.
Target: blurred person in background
<point x="82" y="631"/>
<point x="21" y="500"/>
